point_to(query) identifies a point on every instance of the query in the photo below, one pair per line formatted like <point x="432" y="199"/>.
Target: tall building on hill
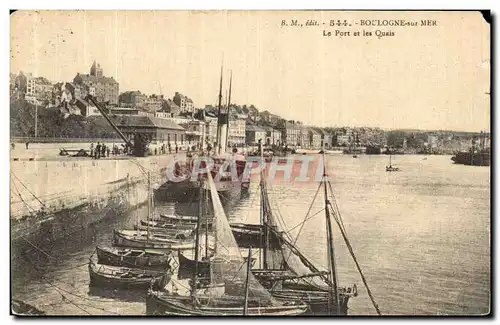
<point x="185" y="103"/>
<point x="105" y="89"/>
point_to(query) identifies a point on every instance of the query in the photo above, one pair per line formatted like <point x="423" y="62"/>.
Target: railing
<point x="62" y="140"/>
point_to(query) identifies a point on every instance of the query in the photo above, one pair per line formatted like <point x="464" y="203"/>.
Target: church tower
<point x="96" y="70"/>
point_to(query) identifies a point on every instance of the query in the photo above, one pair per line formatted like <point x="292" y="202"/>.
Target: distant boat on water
<point x="478" y="155"/>
<point x="391" y="168"/>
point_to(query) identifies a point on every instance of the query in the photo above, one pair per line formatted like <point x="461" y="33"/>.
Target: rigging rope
<point x="303" y="222"/>
<point x="43" y="204"/>
<point x="351" y="251"/>
<point x="21" y="197"/>
<point x="38" y="248"/>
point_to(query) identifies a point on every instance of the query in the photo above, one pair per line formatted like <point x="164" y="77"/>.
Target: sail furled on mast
<point x="228" y="266"/>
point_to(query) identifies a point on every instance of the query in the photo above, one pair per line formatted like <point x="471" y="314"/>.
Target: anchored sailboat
<point x="391" y="168"/>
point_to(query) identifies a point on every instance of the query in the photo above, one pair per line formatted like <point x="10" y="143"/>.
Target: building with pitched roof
<point x="254" y="133"/>
<point x="158" y="130"/>
<point x="105" y="89"/>
<point x="185" y="103"/>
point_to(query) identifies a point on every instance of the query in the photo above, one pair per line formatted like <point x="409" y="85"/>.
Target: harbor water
<point x="421" y="236"/>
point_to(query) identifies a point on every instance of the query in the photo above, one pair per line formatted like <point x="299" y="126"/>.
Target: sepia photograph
<point x="250" y="163"/>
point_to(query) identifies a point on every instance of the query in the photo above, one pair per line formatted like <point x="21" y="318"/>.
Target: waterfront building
<point x="237" y="132"/>
<point x="255" y="133"/>
<point x="343" y="139"/>
<point x="315" y="139"/>
<point x="273" y="136"/>
<point x="159" y="131"/>
<point x="290" y="133"/>
<point x="304" y="137"/>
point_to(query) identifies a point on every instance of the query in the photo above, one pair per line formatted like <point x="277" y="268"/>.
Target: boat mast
<point x="334" y="295"/>
<point x="197" y="240"/>
<point x="228" y="108"/>
<point x="247" y="282"/>
<point x="36" y="119"/>
<point x="217" y="150"/>
<point x="263" y="215"/>
<point x="149" y="206"/>
<point x="206" y="226"/>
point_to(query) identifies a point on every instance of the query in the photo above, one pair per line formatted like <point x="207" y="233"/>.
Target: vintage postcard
<point x="250" y="163"/>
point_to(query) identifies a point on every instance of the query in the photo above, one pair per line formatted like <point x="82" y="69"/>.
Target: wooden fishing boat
<point x="159" y="303"/>
<point x="126" y="278"/>
<point x="132" y="238"/>
<point x="186" y="220"/>
<point x="180" y="233"/>
<point x="129" y="257"/>
<point x="175" y="218"/>
<point x="169" y="232"/>
<point x="160" y="223"/>
<point x="250" y="235"/>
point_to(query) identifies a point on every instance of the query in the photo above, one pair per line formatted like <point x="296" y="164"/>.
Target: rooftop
<point x="145" y="121"/>
<point x="87" y="77"/>
<point x="255" y="128"/>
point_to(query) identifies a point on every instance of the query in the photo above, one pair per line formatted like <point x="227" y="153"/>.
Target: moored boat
<point x="132" y="238"/>
<point x="160" y="223"/>
<point x="129" y="257"/>
<point x="126" y="278"/>
<point x="159" y="303"/>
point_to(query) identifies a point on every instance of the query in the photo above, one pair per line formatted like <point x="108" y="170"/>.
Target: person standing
<point x="103" y="151"/>
<point x="92" y="150"/>
<point x="107" y="151"/>
<point x="176" y="148"/>
<point x="97" y="154"/>
<point x="27" y="144"/>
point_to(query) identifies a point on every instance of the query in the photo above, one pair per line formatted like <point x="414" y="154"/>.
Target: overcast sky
<point x="423" y="77"/>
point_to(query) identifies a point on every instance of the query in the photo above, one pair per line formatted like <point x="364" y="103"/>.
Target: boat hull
<point x="250" y="235"/>
<point x="122" y="240"/>
<point x="232" y="306"/>
<point x="472" y="159"/>
<point x="188" y="191"/>
<point x="317" y="301"/>
<point x="134" y="279"/>
<point x="117" y="257"/>
<point x="161" y="223"/>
